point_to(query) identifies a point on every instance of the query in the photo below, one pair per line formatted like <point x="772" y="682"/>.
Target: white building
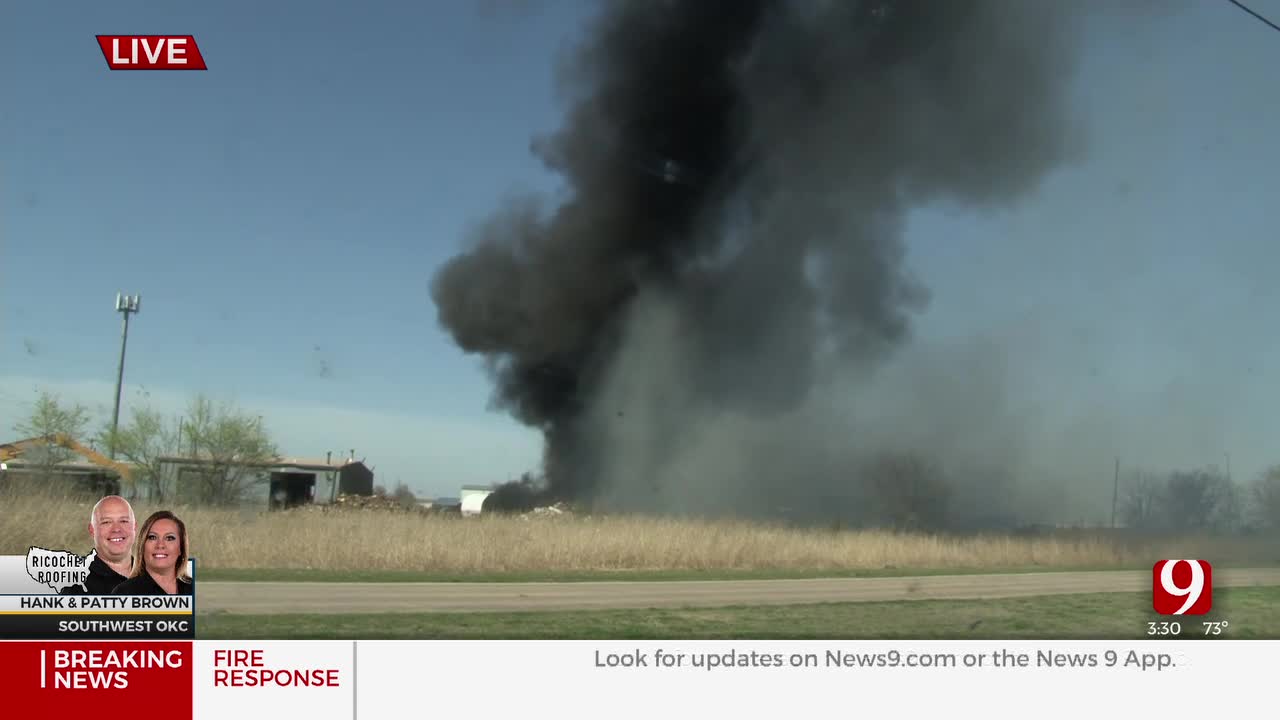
<point x="473" y="497"/>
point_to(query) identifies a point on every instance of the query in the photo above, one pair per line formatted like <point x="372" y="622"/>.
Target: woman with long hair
<point x="160" y="554"/>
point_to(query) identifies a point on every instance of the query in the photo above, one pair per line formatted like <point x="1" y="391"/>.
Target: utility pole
<point x="1115" y="495"/>
<point x="126" y="304"/>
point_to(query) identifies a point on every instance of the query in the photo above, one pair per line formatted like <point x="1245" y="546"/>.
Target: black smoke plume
<point x="738" y="174"/>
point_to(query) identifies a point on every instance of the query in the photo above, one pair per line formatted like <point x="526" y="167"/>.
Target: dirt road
<point x="302" y="597"/>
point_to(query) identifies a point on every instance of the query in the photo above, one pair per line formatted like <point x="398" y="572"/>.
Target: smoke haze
<point x="717" y="316"/>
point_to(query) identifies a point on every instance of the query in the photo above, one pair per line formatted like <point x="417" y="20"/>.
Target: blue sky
<point x="282" y="214"/>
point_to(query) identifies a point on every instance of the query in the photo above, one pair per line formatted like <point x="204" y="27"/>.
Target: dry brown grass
<point x="357" y="540"/>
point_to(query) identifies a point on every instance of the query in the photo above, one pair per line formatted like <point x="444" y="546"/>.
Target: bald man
<point x="112" y="527"/>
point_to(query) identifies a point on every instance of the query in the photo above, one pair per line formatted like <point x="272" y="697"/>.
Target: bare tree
<point x="404" y="496"/>
<point x="231" y="446"/>
<point x="1264" y="497"/>
<point x="1193" y="499"/>
<point x="143" y="441"/>
<point x="1229" y="512"/>
<point x="1183" y="501"/>
<point x="1139" y="506"/>
<point x="906" y="491"/>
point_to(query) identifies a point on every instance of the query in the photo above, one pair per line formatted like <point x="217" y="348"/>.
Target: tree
<point x="1139" y="507"/>
<point x="1229" y="514"/>
<point x="231" y="447"/>
<point x="55" y="423"/>
<point x="907" y="491"/>
<point x="1194" y="499"/>
<point x="1182" y="501"/>
<point x="1264" y="495"/>
<point x="404" y="496"/>
<point x="145" y="439"/>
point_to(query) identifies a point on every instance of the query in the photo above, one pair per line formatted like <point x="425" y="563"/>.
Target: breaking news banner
<point x="61" y="679"/>
<point x="772" y="679"/>
<point x="46" y="594"/>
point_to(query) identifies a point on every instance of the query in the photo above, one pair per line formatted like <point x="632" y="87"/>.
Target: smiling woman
<point x="159" y="558"/>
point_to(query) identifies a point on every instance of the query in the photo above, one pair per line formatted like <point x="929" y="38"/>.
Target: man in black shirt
<point x="112" y="527"/>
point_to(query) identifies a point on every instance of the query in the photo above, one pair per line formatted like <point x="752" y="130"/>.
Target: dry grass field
<point x="372" y="540"/>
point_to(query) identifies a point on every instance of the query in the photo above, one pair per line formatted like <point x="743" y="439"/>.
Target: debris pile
<point x="382" y="503"/>
<point x="376" y="503"/>
<point x="556" y="510"/>
<point x="370" y="502"/>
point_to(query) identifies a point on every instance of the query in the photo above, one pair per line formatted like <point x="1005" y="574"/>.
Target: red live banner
<point x="151" y="52"/>
<point x="61" y="679"/>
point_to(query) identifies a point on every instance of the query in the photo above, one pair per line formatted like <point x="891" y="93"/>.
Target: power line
<point x="1265" y="21"/>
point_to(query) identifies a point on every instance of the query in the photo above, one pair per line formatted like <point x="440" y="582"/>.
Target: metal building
<point x="280" y="484"/>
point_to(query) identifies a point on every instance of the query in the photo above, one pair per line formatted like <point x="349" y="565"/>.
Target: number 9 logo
<point x="1182" y="587"/>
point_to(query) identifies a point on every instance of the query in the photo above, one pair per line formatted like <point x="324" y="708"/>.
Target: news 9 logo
<point x="1182" y="587"/>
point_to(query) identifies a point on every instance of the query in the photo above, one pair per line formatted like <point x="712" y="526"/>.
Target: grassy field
<point x="407" y="576"/>
<point x="376" y="545"/>
<point x="1249" y="612"/>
